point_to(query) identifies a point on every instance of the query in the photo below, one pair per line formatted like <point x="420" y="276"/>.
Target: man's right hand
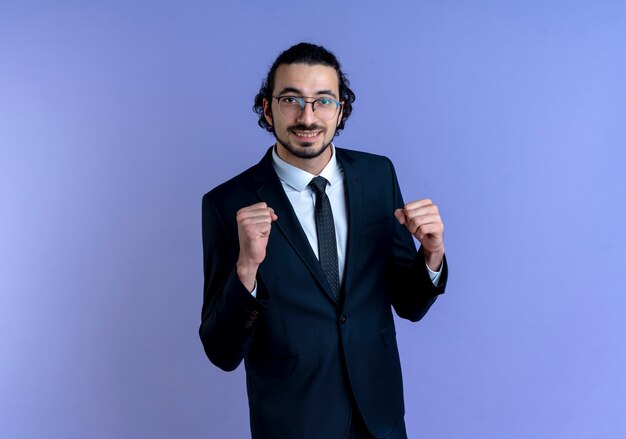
<point x="254" y="224"/>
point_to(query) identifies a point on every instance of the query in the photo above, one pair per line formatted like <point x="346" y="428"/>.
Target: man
<point x="305" y="253"/>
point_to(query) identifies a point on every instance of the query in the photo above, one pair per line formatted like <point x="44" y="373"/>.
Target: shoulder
<point x="235" y="193"/>
<point x="246" y="182"/>
<point x="364" y="161"/>
<point x="242" y="181"/>
<point x="354" y="155"/>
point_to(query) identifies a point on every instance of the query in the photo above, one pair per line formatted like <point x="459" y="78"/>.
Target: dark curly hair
<point x="310" y="54"/>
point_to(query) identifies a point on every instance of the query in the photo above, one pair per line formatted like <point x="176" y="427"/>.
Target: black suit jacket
<point x="309" y="361"/>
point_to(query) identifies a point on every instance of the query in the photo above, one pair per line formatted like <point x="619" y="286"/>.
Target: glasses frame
<point x="303" y="101"/>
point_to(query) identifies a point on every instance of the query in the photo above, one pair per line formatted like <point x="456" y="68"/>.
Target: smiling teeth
<point x="306" y="134"/>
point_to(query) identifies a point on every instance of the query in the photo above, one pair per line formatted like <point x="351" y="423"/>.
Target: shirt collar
<point x="300" y="179"/>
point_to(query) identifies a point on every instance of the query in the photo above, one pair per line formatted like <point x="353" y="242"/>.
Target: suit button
<point x="342" y="319"/>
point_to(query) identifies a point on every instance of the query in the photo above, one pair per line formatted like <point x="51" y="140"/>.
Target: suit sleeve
<point x="413" y="293"/>
<point x="229" y="311"/>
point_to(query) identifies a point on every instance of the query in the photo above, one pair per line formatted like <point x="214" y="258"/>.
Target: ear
<point x="267" y="112"/>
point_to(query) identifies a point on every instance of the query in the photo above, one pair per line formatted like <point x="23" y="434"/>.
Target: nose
<point x="307" y="115"/>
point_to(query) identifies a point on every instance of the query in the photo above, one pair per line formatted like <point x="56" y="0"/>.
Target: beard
<point x="303" y="150"/>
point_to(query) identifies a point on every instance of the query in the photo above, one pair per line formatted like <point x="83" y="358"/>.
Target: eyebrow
<point x="298" y="92"/>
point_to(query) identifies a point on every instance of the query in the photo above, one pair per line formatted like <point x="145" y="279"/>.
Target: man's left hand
<point x="422" y="219"/>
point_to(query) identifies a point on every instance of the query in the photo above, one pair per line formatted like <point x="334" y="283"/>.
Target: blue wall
<point x="116" y="117"/>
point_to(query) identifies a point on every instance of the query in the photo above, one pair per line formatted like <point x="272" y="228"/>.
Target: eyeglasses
<point x="292" y="106"/>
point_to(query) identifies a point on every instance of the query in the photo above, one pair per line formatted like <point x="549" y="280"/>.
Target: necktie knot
<point x="318" y="184"/>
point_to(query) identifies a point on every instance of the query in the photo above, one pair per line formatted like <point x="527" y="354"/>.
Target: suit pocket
<point x="272" y="366"/>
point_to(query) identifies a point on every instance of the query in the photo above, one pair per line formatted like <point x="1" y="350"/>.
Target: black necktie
<point x="326" y="241"/>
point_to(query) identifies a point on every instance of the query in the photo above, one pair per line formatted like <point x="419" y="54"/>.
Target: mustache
<point x="302" y="127"/>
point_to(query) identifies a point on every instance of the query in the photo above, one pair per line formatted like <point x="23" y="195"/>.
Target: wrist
<point x="434" y="260"/>
<point x="246" y="272"/>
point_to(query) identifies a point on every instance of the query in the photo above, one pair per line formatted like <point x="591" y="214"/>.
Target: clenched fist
<point x="254" y="224"/>
<point x="422" y="219"/>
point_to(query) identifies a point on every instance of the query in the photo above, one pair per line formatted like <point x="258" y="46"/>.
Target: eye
<point x="290" y="100"/>
<point x="325" y="102"/>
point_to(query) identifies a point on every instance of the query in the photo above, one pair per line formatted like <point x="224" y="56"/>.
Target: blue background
<point x="116" y="117"/>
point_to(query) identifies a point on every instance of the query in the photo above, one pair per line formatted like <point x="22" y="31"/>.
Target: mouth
<point x="306" y="136"/>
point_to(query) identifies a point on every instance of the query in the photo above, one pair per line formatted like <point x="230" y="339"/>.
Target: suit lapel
<point x="353" y="189"/>
<point x="271" y="191"/>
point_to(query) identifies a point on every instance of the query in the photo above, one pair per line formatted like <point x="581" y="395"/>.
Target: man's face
<point x="304" y="136"/>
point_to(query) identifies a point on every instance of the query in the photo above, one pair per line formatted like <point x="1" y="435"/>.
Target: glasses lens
<point x="325" y="108"/>
<point x="290" y="106"/>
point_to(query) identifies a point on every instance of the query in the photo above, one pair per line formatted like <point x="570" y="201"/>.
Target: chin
<point x="304" y="150"/>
